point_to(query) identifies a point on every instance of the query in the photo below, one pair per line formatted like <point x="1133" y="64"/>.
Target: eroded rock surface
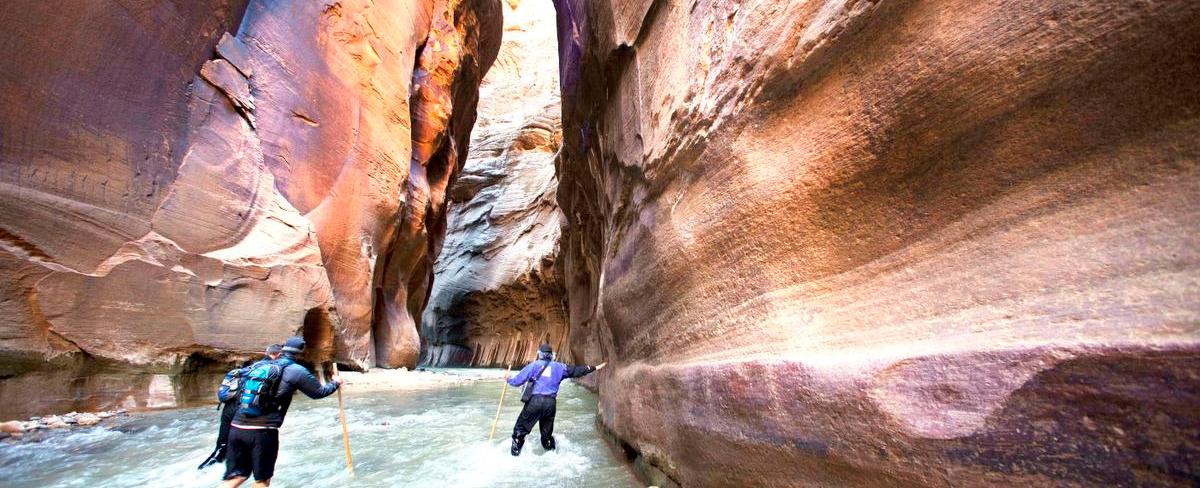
<point x="857" y="243"/>
<point x="498" y="292"/>
<point x="182" y="187"/>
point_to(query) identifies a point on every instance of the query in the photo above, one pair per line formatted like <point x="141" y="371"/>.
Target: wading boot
<point x="548" y="443"/>
<point x="518" y="443"/>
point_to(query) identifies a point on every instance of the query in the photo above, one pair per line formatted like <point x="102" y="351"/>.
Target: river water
<point x="430" y="437"/>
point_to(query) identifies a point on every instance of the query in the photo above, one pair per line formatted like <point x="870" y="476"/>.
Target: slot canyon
<point x="817" y="243"/>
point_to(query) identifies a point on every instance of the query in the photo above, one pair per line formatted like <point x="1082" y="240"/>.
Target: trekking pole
<point x="345" y="433"/>
<point x="501" y="404"/>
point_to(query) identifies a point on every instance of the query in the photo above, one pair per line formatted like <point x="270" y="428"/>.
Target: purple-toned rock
<point x="862" y="243"/>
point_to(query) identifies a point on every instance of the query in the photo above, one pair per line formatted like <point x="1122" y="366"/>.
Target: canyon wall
<point x="185" y="183"/>
<point x="876" y="243"/>
<point x="498" y="292"/>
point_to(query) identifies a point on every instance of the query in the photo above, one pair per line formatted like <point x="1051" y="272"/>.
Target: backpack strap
<point x="533" y="379"/>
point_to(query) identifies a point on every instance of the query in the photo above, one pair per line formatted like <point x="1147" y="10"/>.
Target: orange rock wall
<point x="863" y="243"/>
<point x="185" y="183"/>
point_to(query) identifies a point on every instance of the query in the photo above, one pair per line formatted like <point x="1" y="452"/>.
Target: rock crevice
<point x="498" y="291"/>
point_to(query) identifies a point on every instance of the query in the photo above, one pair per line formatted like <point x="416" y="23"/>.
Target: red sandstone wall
<point x="184" y="183"/>
<point x="862" y="243"/>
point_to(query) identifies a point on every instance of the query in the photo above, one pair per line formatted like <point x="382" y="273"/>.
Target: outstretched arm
<point x="577" y="371"/>
<point x="308" y="384"/>
<point x="522" y="376"/>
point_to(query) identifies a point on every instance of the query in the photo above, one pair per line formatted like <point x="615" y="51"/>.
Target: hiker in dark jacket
<point x="228" y="395"/>
<point x="546" y="374"/>
<point x="254" y="439"/>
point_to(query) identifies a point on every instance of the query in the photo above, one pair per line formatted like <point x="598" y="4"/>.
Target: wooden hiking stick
<point x="501" y="404"/>
<point x="345" y="432"/>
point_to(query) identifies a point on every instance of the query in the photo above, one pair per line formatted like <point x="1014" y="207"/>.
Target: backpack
<point x="260" y="386"/>
<point x="231" y="386"/>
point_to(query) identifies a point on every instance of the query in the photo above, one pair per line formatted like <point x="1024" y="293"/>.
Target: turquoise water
<point x="413" y="438"/>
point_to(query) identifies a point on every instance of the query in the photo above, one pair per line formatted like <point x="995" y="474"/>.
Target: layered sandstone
<point x="182" y="187"/>
<point x="497" y="292"/>
<point x="858" y="243"/>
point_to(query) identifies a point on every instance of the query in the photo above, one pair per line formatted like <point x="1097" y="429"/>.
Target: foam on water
<point x="426" y="438"/>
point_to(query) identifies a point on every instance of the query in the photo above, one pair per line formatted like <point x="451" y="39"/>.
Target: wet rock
<point x="12" y="427"/>
<point x="497" y="293"/>
<point x="88" y="419"/>
<point x="857" y="243"/>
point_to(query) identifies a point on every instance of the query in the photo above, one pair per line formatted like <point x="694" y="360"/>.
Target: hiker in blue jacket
<point x="540" y="405"/>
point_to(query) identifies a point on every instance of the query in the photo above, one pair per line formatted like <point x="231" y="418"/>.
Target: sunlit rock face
<point x="855" y="243"/>
<point x="497" y="292"/>
<point x="186" y="182"/>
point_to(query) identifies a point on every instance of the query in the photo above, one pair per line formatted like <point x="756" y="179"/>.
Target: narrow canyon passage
<point x="843" y="243"/>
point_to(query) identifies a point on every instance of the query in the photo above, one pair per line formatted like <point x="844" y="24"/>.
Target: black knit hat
<point x="545" y="348"/>
<point x="294" y="344"/>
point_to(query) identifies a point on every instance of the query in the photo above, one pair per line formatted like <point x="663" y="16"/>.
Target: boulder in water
<point x="12" y="427"/>
<point x="87" y="419"/>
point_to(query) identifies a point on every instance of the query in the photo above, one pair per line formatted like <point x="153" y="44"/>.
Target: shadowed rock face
<point x="186" y="182"/>
<point x="855" y="243"/>
<point x="498" y="293"/>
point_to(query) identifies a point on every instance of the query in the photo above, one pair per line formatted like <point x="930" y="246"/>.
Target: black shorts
<point x="251" y="451"/>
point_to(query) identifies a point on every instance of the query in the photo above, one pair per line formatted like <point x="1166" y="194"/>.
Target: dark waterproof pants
<point x="227" y="412"/>
<point x="540" y="410"/>
<point x="228" y="409"/>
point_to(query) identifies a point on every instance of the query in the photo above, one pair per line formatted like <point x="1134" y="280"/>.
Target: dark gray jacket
<point x="295" y="377"/>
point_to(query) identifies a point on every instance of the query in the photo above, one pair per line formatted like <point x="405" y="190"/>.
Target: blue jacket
<point x="547" y="384"/>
